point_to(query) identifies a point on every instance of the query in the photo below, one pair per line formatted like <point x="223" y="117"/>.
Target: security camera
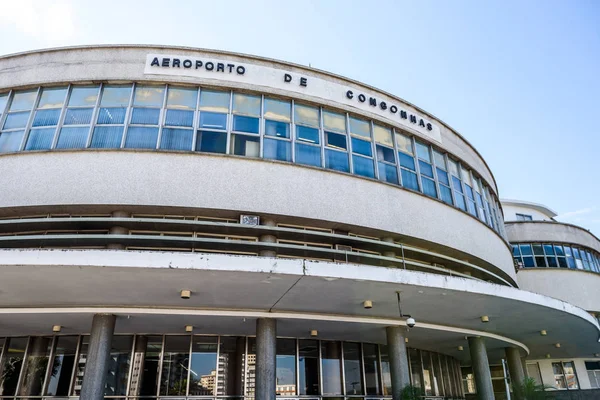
<point x="411" y="322"/>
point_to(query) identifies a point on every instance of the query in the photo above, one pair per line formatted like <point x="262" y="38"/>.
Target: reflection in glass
<point x="360" y="127"/>
<point x="277" y="109"/>
<point x="211" y="142"/>
<point x="309" y="135"/>
<point x="352" y="369"/>
<point x="244" y="104"/>
<point x="385" y="371"/>
<point x="415" y="367"/>
<point x="334" y="122"/>
<point x="35" y="366"/>
<point x="383" y="135"/>
<point x="118" y="366"/>
<point x="150" y="96"/>
<point x="62" y="366"/>
<point x="78" y="116"/>
<point x="52" y="97"/>
<point x="231" y="366"/>
<point x="363" y="166"/>
<point x="306" y="115"/>
<point x="175" y="366"/>
<point x="278" y="129"/>
<point x="277" y="149"/>
<point x="404" y="143"/>
<point x="23" y="100"/>
<point x="11" y="365"/>
<point x="308" y="367"/>
<point x="46" y="117"/>
<point x="214" y="101"/>
<point x="286" y="367"/>
<point x="308" y="155"/>
<point x="251" y="367"/>
<point x="83" y="96"/>
<point x="203" y="368"/>
<point x="243" y="145"/>
<point x="16" y="120"/>
<point x="10" y="141"/>
<point x="182" y="98"/>
<point x="146" y="361"/>
<point x="371" y="359"/>
<point x="331" y="367"/>
<point x="115" y="96"/>
<point x="427" y="373"/>
<point x="336" y="160"/>
<point x="81" y="362"/>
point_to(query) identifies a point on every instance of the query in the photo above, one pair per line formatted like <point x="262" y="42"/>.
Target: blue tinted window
<point x="385" y="154"/>
<point x="176" y="139"/>
<point x="471" y="208"/>
<point x="562" y="262"/>
<point x="515" y="250"/>
<point x="277" y="149"/>
<point x="469" y="192"/>
<point x="336" y="160"/>
<point x="479" y="200"/>
<point x="245" y="124"/>
<point x="409" y="180"/>
<point x="571" y="263"/>
<point x="426" y="169"/>
<point x="46" y="117"/>
<point x="145" y="116"/>
<point x="552" y="262"/>
<point x="307" y="134"/>
<point x="107" y="137"/>
<point x="72" y="138"/>
<point x="568" y="251"/>
<point x="308" y="155"/>
<point x="526" y="250"/>
<point x="406" y="161"/>
<point x="40" y="139"/>
<point x="429" y="187"/>
<point x="388" y="173"/>
<point x="456" y="184"/>
<point x="423" y="151"/>
<point x="10" y="141"/>
<point x="363" y="166"/>
<point x="443" y="177"/>
<point x="244" y="145"/>
<point x="446" y="194"/>
<point x="179" y="118"/>
<point x="559" y="250"/>
<point x="528" y="262"/>
<point x="277" y="128"/>
<point x="78" y="116"/>
<point x="361" y="147"/>
<point x="141" y="138"/>
<point x="335" y="140"/>
<point x="460" y="201"/>
<point x="16" y="120"/>
<point x="213" y="120"/>
<point x="211" y="142"/>
<point x="111" y="115"/>
<point x="549" y="249"/>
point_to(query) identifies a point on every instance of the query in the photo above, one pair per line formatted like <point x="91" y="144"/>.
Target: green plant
<point x="411" y="392"/>
<point x="530" y="390"/>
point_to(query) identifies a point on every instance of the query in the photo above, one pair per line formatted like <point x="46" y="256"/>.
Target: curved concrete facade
<point x="550" y="231"/>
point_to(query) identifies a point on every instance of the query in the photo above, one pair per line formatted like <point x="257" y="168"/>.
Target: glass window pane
<point x="538" y="250"/>
<point x="427" y="373"/>
<point x="176" y="139"/>
<point x="3" y="101"/>
<point x="552" y="262"/>
<point x="83" y="96"/>
<point x="146" y="363"/>
<point x="10" y="141"/>
<point x="278" y="129"/>
<point x="182" y="98"/>
<point x="425" y="169"/>
<point x="35" y="367"/>
<point x="559" y="250"/>
<point x="466" y="175"/>
<point x="385" y="371"/>
<point x="453" y="167"/>
<point x="286" y="367"/>
<point x="73" y="138"/>
<point x="110" y="116"/>
<point x="360" y="127"/>
<point x="335" y="140"/>
<point x="360" y="146"/>
<point x="334" y="122"/>
<point x="115" y="96"/>
<point x="383" y="135"/>
<point x="308" y="367"/>
<point x="23" y="100"/>
<point x="443" y="177"/>
<point x="278" y="109"/>
<point x="118" y="366"/>
<point x="308" y="155"/>
<point x="404" y="143"/>
<point x="306" y="115"/>
<point x="429" y="187"/>
<point x="107" y="137"/>
<point x="277" y="149"/>
<point x="141" y="138"/>
<point x="245" y="104"/>
<point x="214" y="101"/>
<point x="148" y="96"/>
<point x="446" y="194"/>
<point x="231" y="363"/>
<point x="562" y="262"/>
<point x="78" y="116"/>
<point x="371" y="359"/>
<point x="439" y="159"/>
<point x="528" y="262"/>
<point x="331" y="367"/>
<point x="40" y="139"/>
<point x="81" y="363"/>
<point x="145" y="116"/>
<point x="409" y="180"/>
<point x="423" y="151"/>
<point x="540" y="261"/>
<point x="245" y="124"/>
<point x="211" y="142"/>
<point x="407" y="161"/>
<point x="210" y="120"/>
<point x="175" y="366"/>
<point x="16" y="120"/>
<point x="549" y="249"/>
<point x="352" y="369"/>
<point x="388" y="173"/>
<point x="306" y="134"/>
<point x="456" y="184"/>
<point x="203" y="368"/>
<point x="363" y="166"/>
<point x="385" y="154"/>
<point x="336" y="160"/>
<point x="12" y="363"/>
<point x="62" y="366"/>
<point x="52" y="97"/>
<point x="243" y="145"/>
<point x="526" y="250"/>
<point x="179" y="118"/>
<point x="416" y="367"/>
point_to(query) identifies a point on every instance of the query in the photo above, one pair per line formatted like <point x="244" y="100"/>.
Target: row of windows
<point x="192" y="119"/>
<point x="556" y="255"/>
<point x="194" y="365"/>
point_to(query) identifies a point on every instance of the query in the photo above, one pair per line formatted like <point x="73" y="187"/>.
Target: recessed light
<point x="548" y="355"/>
<point x="368" y="304"/>
<point x="56" y="328"/>
<point x="557" y="345"/>
<point x="485" y="318"/>
<point x="189" y="328"/>
<point x="405" y="340"/>
<point x="185" y="294"/>
<point x="314" y="333"/>
<point x="543" y="333"/>
<point x="460" y="348"/>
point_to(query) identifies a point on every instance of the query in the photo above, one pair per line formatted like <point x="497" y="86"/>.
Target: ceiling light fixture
<point x="557" y="345"/>
<point x="185" y="294"/>
<point x="314" y="333"/>
<point x="460" y="348"/>
<point x="189" y="328"/>
<point x="485" y="318"/>
<point x="368" y="304"/>
<point x="543" y="333"/>
<point x="56" y="328"/>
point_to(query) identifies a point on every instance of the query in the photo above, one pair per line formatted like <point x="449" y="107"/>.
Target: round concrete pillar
<point x="268" y="239"/>
<point x="481" y="369"/>
<point x="96" y="366"/>
<point x="515" y="369"/>
<point x="266" y="358"/>
<point x="398" y="356"/>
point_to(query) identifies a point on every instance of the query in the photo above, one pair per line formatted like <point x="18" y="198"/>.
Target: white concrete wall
<point x="126" y="63"/>
<point x="511" y="211"/>
<point x="121" y="177"/>
<point x="548" y="373"/>
<point x="580" y="288"/>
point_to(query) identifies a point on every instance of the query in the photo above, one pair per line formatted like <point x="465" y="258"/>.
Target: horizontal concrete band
<point x="131" y="178"/>
<point x="127" y="63"/>
<point x="550" y="231"/>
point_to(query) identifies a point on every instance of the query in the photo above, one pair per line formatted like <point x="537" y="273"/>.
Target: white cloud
<point x="575" y="213"/>
<point x="47" y="21"/>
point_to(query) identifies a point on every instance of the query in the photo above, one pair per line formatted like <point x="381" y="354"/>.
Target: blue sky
<point x="519" y="79"/>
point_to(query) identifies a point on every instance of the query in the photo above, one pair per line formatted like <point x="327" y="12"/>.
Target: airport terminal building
<point x="179" y="223"/>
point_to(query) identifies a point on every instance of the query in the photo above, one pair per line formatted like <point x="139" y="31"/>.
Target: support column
<point x="118" y="230"/>
<point x="398" y="360"/>
<point x="481" y="369"/>
<point x="266" y="358"/>
<point x="96" y="367"/>
<point x="524" y="364"/>
<point x="268" y="239"/>
<point x="390" y="253"/>
<point x="515" y="369"/>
